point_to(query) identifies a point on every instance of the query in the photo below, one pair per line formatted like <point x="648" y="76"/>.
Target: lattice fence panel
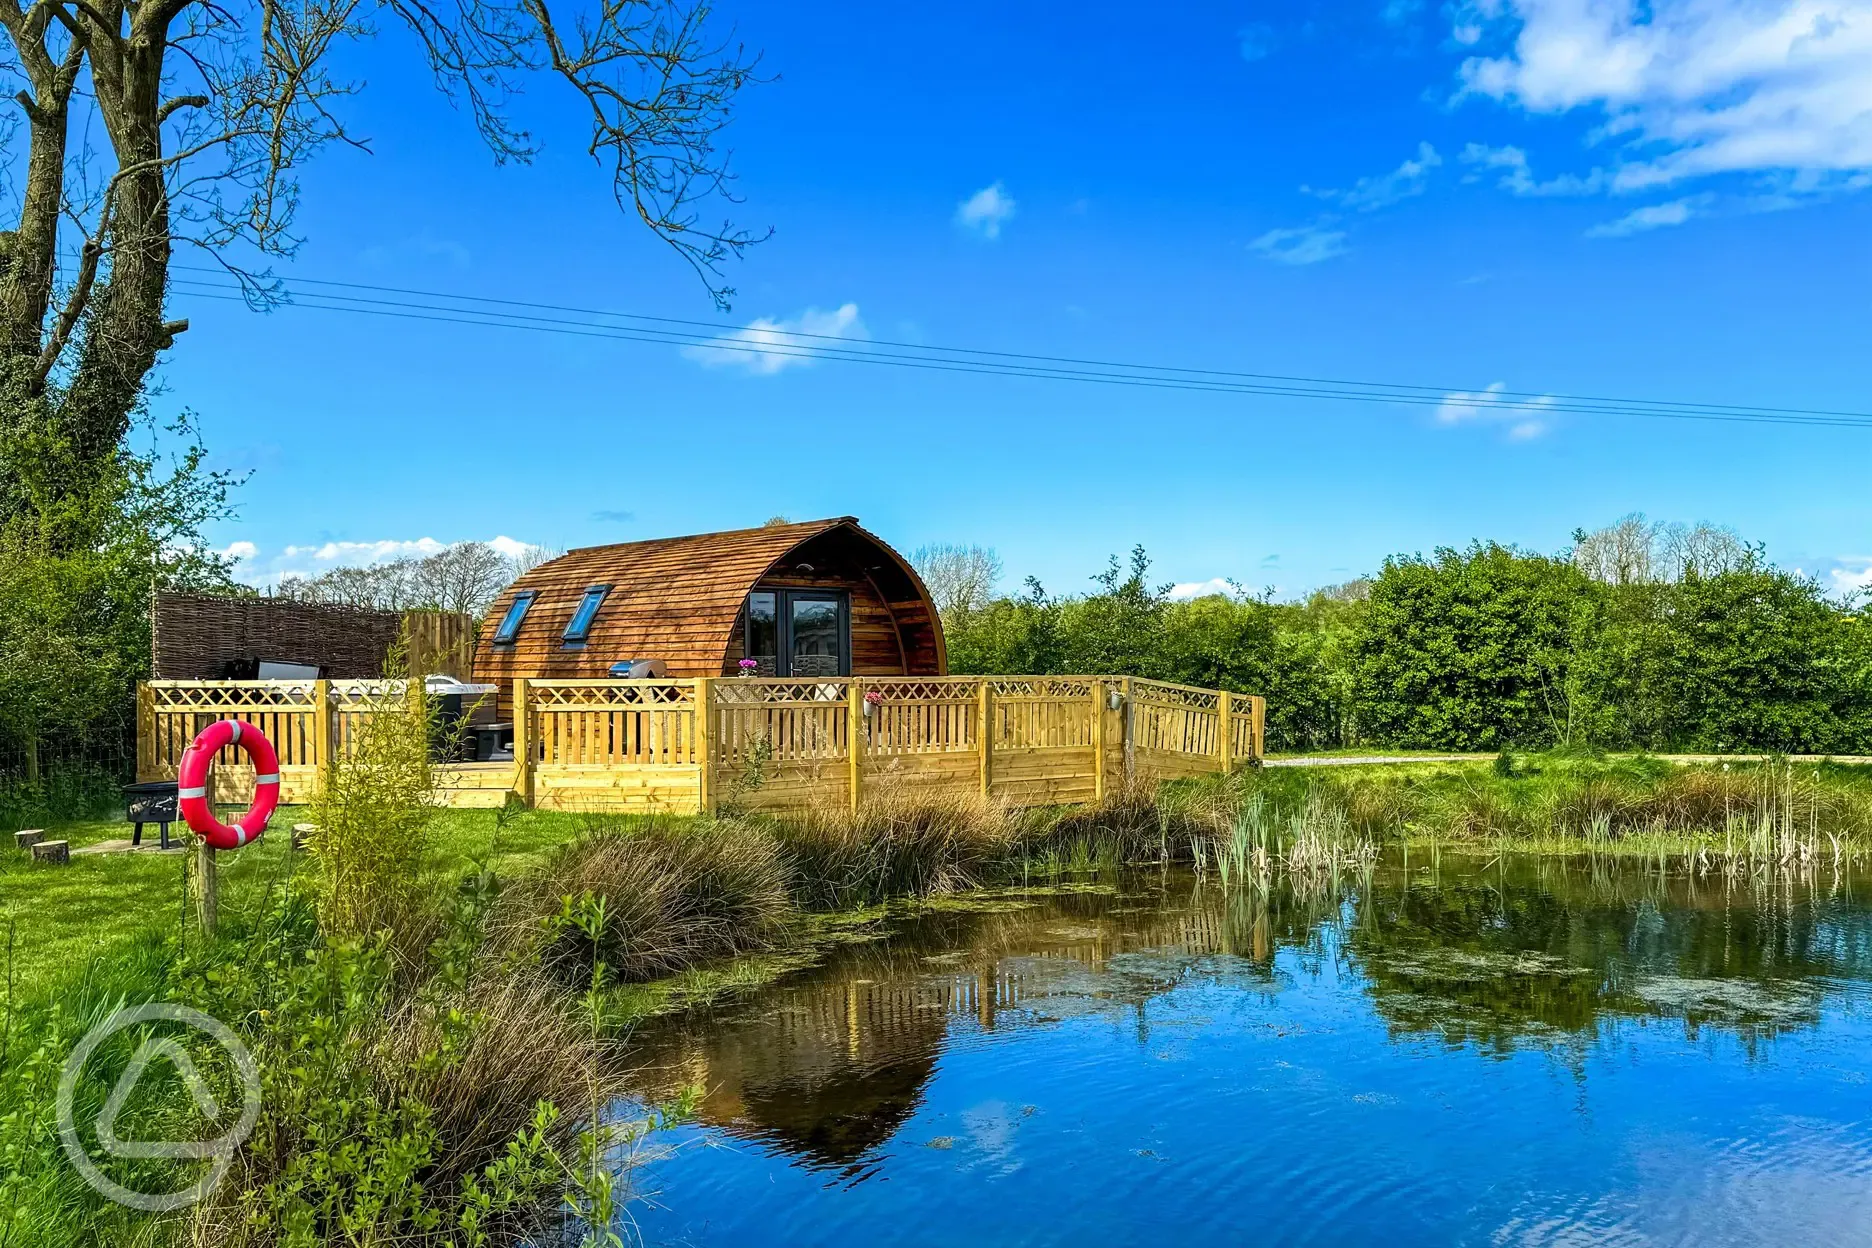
<point x="618" y="723"/>
<point x="282" y="710"/>
<point x="752" y="735"/>
<point x="1050" y="714"/>
<point x="1242" y="743"/>
<point x="923" y="716"/>
<point x="769" y="690"/>
<point x="1175" y="719"/>
<point x="1042" y="686"/>
<point x="1166" y="694"/>
<point x="609" y="694"/>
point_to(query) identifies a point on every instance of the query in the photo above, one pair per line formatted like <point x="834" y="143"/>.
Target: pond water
<point x="1533" y="1052"/>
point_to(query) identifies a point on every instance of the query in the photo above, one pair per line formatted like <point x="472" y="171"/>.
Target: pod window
<point x="580" y="627"/>
<point x="516" y="613"/>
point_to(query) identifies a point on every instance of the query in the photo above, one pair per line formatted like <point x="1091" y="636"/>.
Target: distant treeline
<point x="1637" y="637"/>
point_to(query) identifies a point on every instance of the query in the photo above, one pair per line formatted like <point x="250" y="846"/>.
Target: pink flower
<point x="874" y="698"/>
<point x="748" y="665"/>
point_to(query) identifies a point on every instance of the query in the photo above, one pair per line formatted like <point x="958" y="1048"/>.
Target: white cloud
<point x="986" y="211"/>
<point x="238" y="551"/>
<point x="1384" y="189"/>
<point x="353" y="554"/>
<point x="1306" y="244"/>
<point x="1517" y="177"/>
<point x="1494" y="405"/>
<point x="1653" y="217"/>
<point x="1202" y="589"/>
<point x="311" y="559"/>
<point x="1693" y="87"/>
<point x="769" y="346"/>
<point x="1853" y="576"/>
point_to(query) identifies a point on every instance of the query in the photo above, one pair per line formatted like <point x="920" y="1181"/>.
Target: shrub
<point x="373" y="815"/>
<point x="894" y="847"/>
<point x="395" y="1117"/>
<point x="648" y="902"/>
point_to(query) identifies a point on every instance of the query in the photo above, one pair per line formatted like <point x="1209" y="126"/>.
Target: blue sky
<point x="1671" y="201"/>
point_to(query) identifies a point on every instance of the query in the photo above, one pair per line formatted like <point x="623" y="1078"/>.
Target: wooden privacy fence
<point x="684" y="746"/>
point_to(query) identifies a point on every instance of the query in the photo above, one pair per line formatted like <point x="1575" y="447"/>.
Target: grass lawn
<point x="1374" y="751"/>
<point x="64" y="917"/>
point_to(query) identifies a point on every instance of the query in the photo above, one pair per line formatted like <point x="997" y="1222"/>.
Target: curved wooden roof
<point x="675" y="598"/>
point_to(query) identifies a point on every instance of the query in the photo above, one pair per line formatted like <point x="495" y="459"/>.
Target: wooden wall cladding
<point x="680" y="600"/>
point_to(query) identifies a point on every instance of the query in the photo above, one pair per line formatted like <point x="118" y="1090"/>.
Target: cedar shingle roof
<point x="673" y="598"/>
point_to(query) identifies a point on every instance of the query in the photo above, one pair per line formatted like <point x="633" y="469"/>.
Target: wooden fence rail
<point x="684" y="746"/>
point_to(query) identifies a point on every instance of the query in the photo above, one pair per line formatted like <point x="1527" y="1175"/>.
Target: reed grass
<point x="1771" y="813"/>
<point x="648" y="900"/>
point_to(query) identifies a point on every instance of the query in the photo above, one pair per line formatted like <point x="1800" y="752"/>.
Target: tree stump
<point x="302" y="833"/>
<point x="28" y="838"/>
<point x="52" y="851"/>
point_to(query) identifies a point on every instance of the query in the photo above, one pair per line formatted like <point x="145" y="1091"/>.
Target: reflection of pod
<point x="192" y="784"/>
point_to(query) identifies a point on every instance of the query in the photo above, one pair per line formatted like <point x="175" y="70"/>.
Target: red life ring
<point x="192" y="783"/>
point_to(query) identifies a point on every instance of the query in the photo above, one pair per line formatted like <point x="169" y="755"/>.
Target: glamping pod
<point x="819" y="599"/>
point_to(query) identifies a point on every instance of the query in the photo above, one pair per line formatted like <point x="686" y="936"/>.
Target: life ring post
<point x="207" y="888"/>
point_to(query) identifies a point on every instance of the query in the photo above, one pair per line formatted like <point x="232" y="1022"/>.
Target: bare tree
<point x="1636" y="551"/>
<point x="465" y="577"/>
<point x="379" y="587"/>
<point x="531" y="557"/>
<point x="1619" y="554"/>
<point x="205" y="110"/>
<point x="1704" y="549"/>
<point x="959" y="578"/>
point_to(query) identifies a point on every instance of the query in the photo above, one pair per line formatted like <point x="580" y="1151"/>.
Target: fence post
<point x="854" y="737"/>
<point x="1128" y="727"/>
<point x="1098" y="740"/>
<point x="207" y="885"/>
<point x="1225" y="730"/>
<point x="1257" y="726"/>
<point x="146" y="731"/>
<point x="704" y="743"/>
<point x="984" y="732"/>
<point x="324" y="754"/>
<point x="523" y="740"/>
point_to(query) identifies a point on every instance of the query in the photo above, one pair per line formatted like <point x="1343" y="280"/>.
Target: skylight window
<point x="580" y="628"/>
<point x="510" y="623"/>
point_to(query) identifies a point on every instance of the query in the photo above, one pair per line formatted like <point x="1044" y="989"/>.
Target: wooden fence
<point x="688" y="745"/>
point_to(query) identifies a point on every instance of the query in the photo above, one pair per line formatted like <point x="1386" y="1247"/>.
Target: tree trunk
<point x="124" y="329"/>
<point x="32" y="760"/>
<point x="27" y="267"/>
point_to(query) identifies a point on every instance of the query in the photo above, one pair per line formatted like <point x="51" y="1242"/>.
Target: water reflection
<point x="830" y="1065"/>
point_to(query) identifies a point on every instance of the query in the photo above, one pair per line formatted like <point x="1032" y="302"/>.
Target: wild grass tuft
<point x="649" y="901"/>
<point x="893" y="846"/>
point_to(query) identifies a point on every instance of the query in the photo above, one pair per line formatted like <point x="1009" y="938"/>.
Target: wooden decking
<point x="684" y="746"/>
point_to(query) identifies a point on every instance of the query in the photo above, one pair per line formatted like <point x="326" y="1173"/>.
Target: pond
<point x="1516" y="1052"/>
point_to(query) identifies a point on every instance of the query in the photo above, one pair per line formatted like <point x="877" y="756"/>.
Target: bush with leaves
<point x="82" y="545"/>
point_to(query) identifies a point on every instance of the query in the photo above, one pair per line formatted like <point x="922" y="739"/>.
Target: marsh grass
<point x="893" y="846"/>
<point x="1770" y="813"/>
<point x="647" y="901"/>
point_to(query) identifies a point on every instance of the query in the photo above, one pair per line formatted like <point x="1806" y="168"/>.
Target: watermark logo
<point x="218" y="1152"/>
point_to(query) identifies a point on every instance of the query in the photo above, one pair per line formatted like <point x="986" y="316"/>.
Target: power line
<point x="799" y="344"/>
<point x="716" y="329"/>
